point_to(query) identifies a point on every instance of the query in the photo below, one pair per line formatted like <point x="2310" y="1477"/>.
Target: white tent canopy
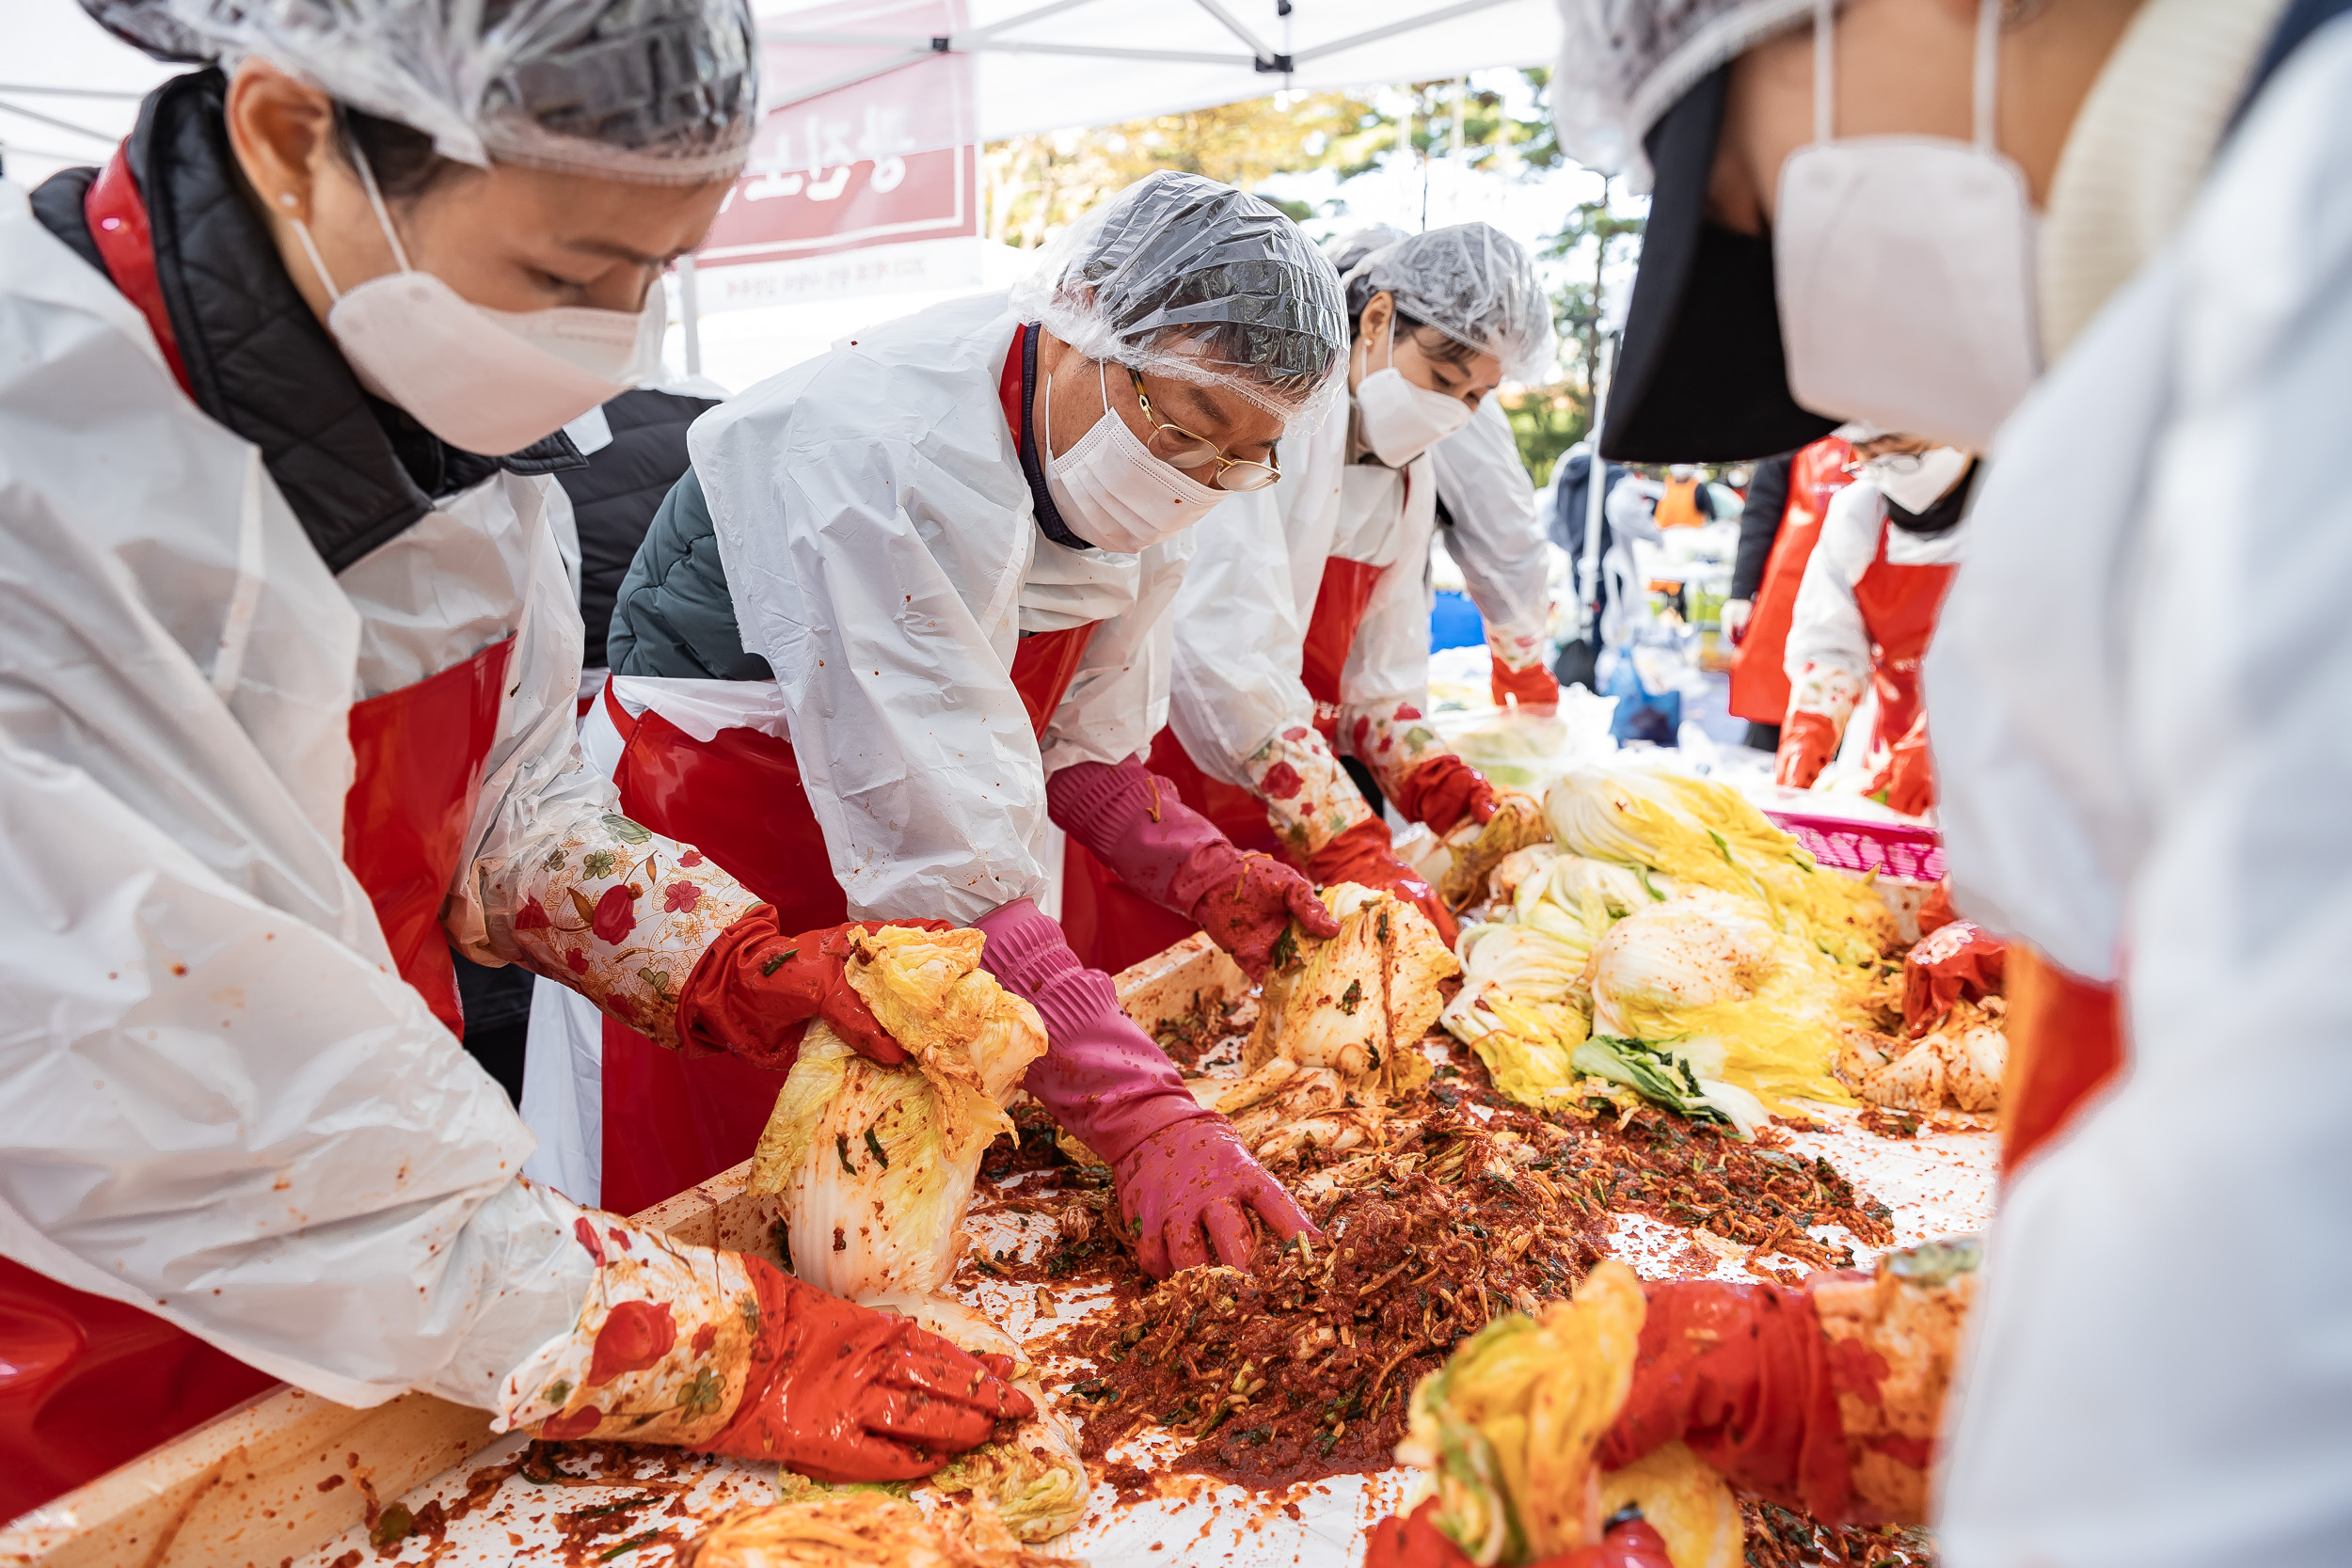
<point x="984" y="70"/>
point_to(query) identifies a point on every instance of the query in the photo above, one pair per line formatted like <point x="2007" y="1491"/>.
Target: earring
<point x="285" y="198"/>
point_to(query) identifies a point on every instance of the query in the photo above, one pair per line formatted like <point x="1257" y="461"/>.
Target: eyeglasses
<point x="1179" y="447"/>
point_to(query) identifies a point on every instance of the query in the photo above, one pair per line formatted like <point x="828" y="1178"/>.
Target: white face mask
<point x="1906" y="269"/>
<point x="1113" y="492"/>
<point x="1399" y="420"/>
<point x="1916" y="482"/>
<point x="487" y="381"/>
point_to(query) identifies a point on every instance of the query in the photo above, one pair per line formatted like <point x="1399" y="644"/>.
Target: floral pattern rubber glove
<point x="690" y="1347"/>
<point x="1310" y="800"/>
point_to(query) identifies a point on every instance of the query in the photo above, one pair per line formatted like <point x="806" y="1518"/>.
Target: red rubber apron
<point x="2065" y="1046"/>
<point x="671" y="1121"/>
<point x="1109" y="925"/>
<point x="1759" y="686"/>
<point x="86" y="1382"/>
<point x="1898" y="607"/>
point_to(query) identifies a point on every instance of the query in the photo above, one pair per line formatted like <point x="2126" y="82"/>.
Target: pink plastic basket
<point x="1914" y="854"/>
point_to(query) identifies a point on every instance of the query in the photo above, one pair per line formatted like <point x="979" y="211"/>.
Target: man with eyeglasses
<point x="1302" y="633"/>
<point x="910" y="604"/>
<point x="1866" y="609"/>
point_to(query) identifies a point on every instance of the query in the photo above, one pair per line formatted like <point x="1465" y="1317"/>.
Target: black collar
<point x="1048" y="514"/>
<point x="1944" y="515"/>
<point x="357" y="471"/>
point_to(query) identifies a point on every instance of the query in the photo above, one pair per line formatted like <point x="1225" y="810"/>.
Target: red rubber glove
<point x="1415" y="1542"/>
<point x="1906" y="779"/>
<point x="1956" y="961"/>
<point x="1530" y="686"/>
<point x="1131" y="820"/>
<point x="1250" y="901"/>
<point x="1195" y="1177"/>
<point x="756" y="987"/>
<point x="1740" y="1373"/>
<point x="1439" y="791"/>
<point x="1366" y="854"/>
<point x="1807" y="743"/>
<point x="844" y="1393"/>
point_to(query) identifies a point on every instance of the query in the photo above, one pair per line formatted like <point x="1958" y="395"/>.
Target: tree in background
<point x="1594" y="232"/>
<point x="1039" y="183"/>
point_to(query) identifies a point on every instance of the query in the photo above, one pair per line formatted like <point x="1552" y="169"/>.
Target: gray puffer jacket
<point x="675" y="617"/>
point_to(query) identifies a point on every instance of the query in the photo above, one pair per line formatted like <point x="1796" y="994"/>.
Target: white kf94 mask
<point x="1905" y="268"/>
<point x="1113" y="491"/>
<point x="485" y="381"/>
<point x="1399" y="420"/>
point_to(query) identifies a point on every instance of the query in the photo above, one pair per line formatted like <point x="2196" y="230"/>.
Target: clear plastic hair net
<point x="661" y="91"/>
<point x="1348" y="250"/>
<point x="1624" y="63"/>
<point x="1181" y="275"/>
<point x="1475" y="284"/>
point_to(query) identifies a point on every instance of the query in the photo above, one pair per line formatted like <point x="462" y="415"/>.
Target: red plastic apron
<point x="1759" y="686"/>
<point x="2065" y="1045"/>
<point x="1898" y="607"/>
<point x="1110" y="925"/>
<point x="86" y="1382"/>
<point x="671" y="1121"/>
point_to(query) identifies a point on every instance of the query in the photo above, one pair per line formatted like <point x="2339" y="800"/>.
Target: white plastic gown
<point x="2161" y="1369"/>
<point x="217" y="1100"/>
<point x="1497" y="539"/>
<point x="884" y="557"/>
<point x="1239" y="704"/>
<point x="1828" y="655"/>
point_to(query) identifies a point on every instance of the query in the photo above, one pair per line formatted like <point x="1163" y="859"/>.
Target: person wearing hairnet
<point x="289" y="661"/>
<point x="1486" y="519"/>
<point x="910" y="602"/>
<point x="1302" y="628"/>
<point x="1871" y="214"/>
<point x="1865" y="610"/>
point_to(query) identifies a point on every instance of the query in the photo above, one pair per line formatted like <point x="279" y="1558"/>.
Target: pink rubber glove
<point x="1117" y="1092"/>
<point x="1132" y="822"/>
<point x="1196" y="1177"/>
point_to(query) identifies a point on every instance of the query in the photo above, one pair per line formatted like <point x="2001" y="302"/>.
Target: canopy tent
<point x="984" y="70"/>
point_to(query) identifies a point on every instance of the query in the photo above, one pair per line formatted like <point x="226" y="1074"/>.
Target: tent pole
<point x="1595" y="487"/>
<point x="690" y="311"/>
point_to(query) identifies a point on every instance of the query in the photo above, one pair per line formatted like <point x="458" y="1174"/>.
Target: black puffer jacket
<point x="616" y="496"/>
<point x="357" y="471"/>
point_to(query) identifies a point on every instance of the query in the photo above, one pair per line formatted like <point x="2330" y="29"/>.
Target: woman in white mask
<point x="1302" y="633"/>
<point x="910" y="609"/>
<point x="291" y="660"/>
<point x="1865" y="609"/>
<point x="2143" y="796"/>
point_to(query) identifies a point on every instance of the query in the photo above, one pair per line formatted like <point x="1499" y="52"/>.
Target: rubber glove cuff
<point x="1102" y="1077"/>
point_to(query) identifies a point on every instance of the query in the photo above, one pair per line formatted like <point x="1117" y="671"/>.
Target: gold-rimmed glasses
<point x="1179" y="447"/>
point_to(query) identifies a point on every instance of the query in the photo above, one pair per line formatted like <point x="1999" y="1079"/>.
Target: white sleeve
<point x="1632" y="508"/>
<point x="1118" y="700"/>
<point x="1384" y="686"/>
<point x="1238" y="639"/>
<point x="2157" y="1373"/>
<point x="547" y="844"/>
<point x="919" y="760"/>
<point x="1828" y="652"/>
<point x="1496" y="539"/>
<point x="1237" y="701"/>
<point x="218" y="1113"/>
